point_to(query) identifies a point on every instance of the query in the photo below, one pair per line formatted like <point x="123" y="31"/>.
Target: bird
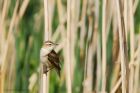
<point x="49" y="58"/>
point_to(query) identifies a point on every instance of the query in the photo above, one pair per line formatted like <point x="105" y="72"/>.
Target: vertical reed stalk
<point x="98" y="48"/>
<point x="45" y="78"/>
<point x="11" y="37"/>
<point x="83" y="26"/>
<point x="99" y="63"/>
<point x="6" y="44"/>
<point x="122" y="50"/>
<point x="68" y="40"/>
<point x="46" y="16"/>
<point x="132" y="45"/>
<point x="126" y="17"/>
<point x="137" y="69"/>
<point x="51" y="5"/>
<point x="89" y="55"/>
<point x="74" y="25"/>
<point x="104" y="47"/>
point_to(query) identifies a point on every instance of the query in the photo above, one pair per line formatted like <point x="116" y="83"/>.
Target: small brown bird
<point x="49" y="57"/>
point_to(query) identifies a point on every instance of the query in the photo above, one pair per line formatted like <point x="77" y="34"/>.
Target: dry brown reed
<point x="122" y="48"/>
<point x="132" y="48"/>
<point x="80" y="16"/>
<point x="8" y="46"/>
<point x="68" y="49"/>
<point x="45" y="78"/>
<point x="104" y="48"/>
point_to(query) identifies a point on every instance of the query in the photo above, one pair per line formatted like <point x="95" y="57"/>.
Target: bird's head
<point x="49" y="45"/>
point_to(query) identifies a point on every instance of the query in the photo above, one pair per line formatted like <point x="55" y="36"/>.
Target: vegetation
<point x="99" y="45"/>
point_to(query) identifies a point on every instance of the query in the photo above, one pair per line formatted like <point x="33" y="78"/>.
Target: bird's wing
<point x="54" y="59"/>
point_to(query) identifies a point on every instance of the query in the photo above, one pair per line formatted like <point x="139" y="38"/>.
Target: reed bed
<point x="99" y="45"/>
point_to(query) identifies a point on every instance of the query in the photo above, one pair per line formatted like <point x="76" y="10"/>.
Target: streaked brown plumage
<point x="54" y="59"/>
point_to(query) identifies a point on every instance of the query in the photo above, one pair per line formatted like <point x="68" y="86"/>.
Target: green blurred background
<point x="19" y="55"/>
